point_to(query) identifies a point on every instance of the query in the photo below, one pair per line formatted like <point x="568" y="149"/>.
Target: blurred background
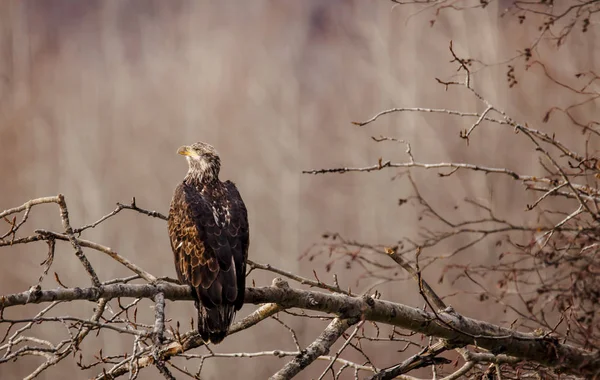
<point x="96" y="97"/>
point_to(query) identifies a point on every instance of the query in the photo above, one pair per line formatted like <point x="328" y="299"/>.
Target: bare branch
<point x="317" y="348"/>
<point x="429" y="110"/>
<point x="187" y="342"/>
<point x="98" y="247"/>
<point x="439" y="165"/>
<point x="295" y="277"/>
<point x="424" y="358"/>
<point x="159" y="330"/>
<point x="463" y="331"/>
<point x="337" y="354"/>
<point x="64" y="216"/>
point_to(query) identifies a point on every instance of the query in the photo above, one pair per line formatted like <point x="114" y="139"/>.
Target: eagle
<point x="208" y="229"/>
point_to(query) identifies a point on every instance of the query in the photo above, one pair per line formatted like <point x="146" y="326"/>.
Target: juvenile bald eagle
<point x="208" y="227"/>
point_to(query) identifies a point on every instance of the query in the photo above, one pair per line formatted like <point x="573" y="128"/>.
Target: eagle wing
<point x="209" y="237"/>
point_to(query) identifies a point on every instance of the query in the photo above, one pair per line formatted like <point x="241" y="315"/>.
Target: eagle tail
<point x="214" y="322"/>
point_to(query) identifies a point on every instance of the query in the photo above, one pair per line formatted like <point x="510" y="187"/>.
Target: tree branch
<point x="187" y="342"/>
<point x="317" y="348"/>
<point x="64" y="216"/>
<point x="424" y="358"/>
<point x="98" y="247"/>
<point x="454" y="328"/>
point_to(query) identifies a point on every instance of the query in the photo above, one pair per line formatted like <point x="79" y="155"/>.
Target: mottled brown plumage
<point x="208" y="228"/>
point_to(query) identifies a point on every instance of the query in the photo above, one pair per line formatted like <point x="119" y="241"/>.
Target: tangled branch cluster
<point x="550" y="278"/>
<point x="158" y="344"/>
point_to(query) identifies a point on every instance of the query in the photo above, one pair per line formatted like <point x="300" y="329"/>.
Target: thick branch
<point x="456" y="329"/>
<point x="171" y="291"/>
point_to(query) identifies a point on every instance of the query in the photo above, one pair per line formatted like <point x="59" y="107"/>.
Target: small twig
<point x="439" y="165"/>
<point x="47" y="263"/>
<point x="133" y="206"/>
<point x="546" y="194"/>
<point x="465" y="134"/>
<point x="120" y="207"/>
<point x="429" y="110"/>
<point x="295" y="277"/>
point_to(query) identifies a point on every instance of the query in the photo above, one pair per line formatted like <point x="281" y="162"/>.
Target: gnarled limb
<point x="453" y="327"/>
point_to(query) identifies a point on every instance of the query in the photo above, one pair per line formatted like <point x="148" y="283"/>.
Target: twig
<point x="120" y="207"/>
<point x="465" y="135"/>
<point x="98" y="247"/>
<point x="439" y="165"/>
<point x="300" y="279"/>
<point x="430" y="110"/>
<point x="27" y="205"/>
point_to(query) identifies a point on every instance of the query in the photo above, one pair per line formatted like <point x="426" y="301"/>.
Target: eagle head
<point x="203" y="160"/>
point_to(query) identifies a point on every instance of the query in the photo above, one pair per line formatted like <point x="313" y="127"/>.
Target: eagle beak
<point x="186" y="151"/>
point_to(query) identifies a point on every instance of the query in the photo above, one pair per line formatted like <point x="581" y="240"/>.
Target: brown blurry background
<point x="96" y="96"/>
